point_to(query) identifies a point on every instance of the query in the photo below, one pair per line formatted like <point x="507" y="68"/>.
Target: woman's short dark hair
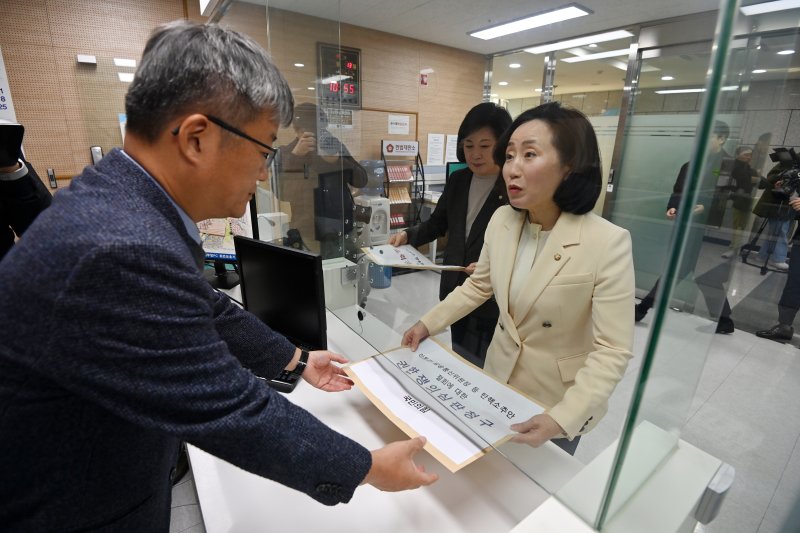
<point x="576" y="143"/>
<point x="482" y="115"/>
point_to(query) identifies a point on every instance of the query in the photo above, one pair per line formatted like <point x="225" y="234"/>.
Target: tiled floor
<point x="745" y="408"/>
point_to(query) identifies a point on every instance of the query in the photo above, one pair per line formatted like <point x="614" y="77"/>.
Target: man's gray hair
<point x="203" y="68"/>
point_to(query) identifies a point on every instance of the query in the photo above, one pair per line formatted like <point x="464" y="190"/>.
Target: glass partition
<point x="407" y="93"/>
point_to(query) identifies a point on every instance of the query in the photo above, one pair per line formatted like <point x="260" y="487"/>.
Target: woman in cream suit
<point x="562" y="277"/>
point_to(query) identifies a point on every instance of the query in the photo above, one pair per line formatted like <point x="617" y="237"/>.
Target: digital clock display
<point x="339" y="75"/>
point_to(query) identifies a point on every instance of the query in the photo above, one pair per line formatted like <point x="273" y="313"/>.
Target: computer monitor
<point x="219" y="249"/>
<point x="284" y="288"/>
<point x="452" y="166"/>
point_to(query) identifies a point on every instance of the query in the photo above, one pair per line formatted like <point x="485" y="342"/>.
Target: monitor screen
<point x="452" y="166"/>
<point x="284" y="288"/>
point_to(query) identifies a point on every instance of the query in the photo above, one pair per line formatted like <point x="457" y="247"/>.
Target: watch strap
<point x="301" y="364"/>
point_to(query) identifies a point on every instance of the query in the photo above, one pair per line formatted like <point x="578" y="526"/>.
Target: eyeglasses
<point x="268" y="157"/>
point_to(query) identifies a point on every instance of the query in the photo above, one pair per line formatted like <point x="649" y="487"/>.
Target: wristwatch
<point x="301" y="364"/>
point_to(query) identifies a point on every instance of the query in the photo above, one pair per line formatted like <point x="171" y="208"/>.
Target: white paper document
<point x="480" y="410"/>
<point x="405" y="256"/>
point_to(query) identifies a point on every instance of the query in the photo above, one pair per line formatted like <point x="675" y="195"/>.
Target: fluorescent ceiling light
<point x="85" y="58"/>
<point x="310" y="88"/>
<point x="502" y="83"/>
<point x="759" y="71"/>
<point x="125" y="76"/>
<point x="667" y="78"/>
<point x="534" y="21"/>
<point x="538" y="89"/>
<point x="593" y="45"/>
<point x="599" y="55"/>
<point x="681" y="91"/>
<point x="514" y="65"/>
<point x="332" y="79"/>
<point x="581" y="41"/>
<point x="125" y="62"/>
<point x="697" y="90"/>
<point x="769" y="7"/>
<point x="299" y="65"/>
<point x="785" y="52"/>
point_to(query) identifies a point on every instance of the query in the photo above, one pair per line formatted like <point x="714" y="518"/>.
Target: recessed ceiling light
<point x="759" y="71"/>
<point x="667" y="78"/>
<point x="769" y="7"/>
<point x="533" y="21"/>
<point x="538" y="89"/>
<point x="502" y="83"/>
<point x="681" y="91"/>
<point x="125" y="62"/>
<point x="310" y="88"/>
<point x="581" y="41"/>
<point x="299" y="65"/>
<point x="514" y="65"/>
<point x="785" y="52"/>
<point x="599" y="55"/>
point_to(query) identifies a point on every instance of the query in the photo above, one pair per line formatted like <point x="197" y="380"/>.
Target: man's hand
<point x="393" y="468"/>
<point x="306" y="144"/>
<point x="795" y="203"/>
<point x="398" y="239"/>
<point x="470" y="270"/>
<point x="414" y="335"/>
<point x="537" y="430"/>
<point x="671" y="212"/>
<point x="323" y="374"/>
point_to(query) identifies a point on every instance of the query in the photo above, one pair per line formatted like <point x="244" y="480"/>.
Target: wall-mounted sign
<point x="339" y="70"/>
<point x="400" y="148"/>
<point x="398" y="124"/>
<point x="6" y="105"/>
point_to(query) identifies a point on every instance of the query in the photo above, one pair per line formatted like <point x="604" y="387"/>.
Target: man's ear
<point x="194" y="136"/>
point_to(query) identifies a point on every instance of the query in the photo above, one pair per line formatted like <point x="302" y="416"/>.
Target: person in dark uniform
<point x="469" y="199"/>
<point x="22" y="194"/>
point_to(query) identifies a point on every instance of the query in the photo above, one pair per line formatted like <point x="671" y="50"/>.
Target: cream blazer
<point x="569" y="349"/>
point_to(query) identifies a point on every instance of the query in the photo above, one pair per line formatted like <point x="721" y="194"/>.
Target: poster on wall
<point x="6" y="105"/>
<point x="399" y="124"/>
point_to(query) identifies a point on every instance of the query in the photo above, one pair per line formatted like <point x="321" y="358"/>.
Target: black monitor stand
<point x="222" y="278"/>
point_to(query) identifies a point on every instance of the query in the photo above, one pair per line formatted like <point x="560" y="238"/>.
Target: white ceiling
<point x="447" y="22"/>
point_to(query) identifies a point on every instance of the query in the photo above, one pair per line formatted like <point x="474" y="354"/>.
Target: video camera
<point x="788" y="181"/>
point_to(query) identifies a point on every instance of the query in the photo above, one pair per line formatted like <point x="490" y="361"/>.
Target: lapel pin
<point x="557" y="257"/>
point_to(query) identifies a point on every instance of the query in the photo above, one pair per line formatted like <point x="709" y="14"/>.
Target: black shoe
<point x="725" y="325"/>
<point x="778" y="333"/>
<point x="640" y="310"/>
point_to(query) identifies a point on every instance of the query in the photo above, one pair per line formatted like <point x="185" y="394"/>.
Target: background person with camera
<point x="774" y="206"/>
<point x="789" y="303"/>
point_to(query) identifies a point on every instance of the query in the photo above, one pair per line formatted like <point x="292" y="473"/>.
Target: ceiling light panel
<point x="769" y="7"/>
<point x="581" y="41"/>
<point x="599" y="55"/>
<point x="534" y="21"/>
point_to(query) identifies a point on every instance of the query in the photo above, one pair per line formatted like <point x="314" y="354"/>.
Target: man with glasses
<point x="116" y="349"/>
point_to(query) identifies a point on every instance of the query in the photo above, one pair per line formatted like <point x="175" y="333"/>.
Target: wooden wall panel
<point x="65" y="106"/>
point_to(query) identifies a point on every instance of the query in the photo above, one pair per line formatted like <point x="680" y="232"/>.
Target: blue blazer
<point x="115" y="349"/>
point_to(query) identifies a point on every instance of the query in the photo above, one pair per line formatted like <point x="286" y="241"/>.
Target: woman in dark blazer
<point x="469" y="199"/>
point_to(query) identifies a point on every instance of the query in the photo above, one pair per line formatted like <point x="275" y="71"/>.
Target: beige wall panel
<point x="66" y="107"/>
<point x="20" y="17"/>
<point x="374" y="128"/>
<point x="249" y="19"/>
<point x="108" y="24"/>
